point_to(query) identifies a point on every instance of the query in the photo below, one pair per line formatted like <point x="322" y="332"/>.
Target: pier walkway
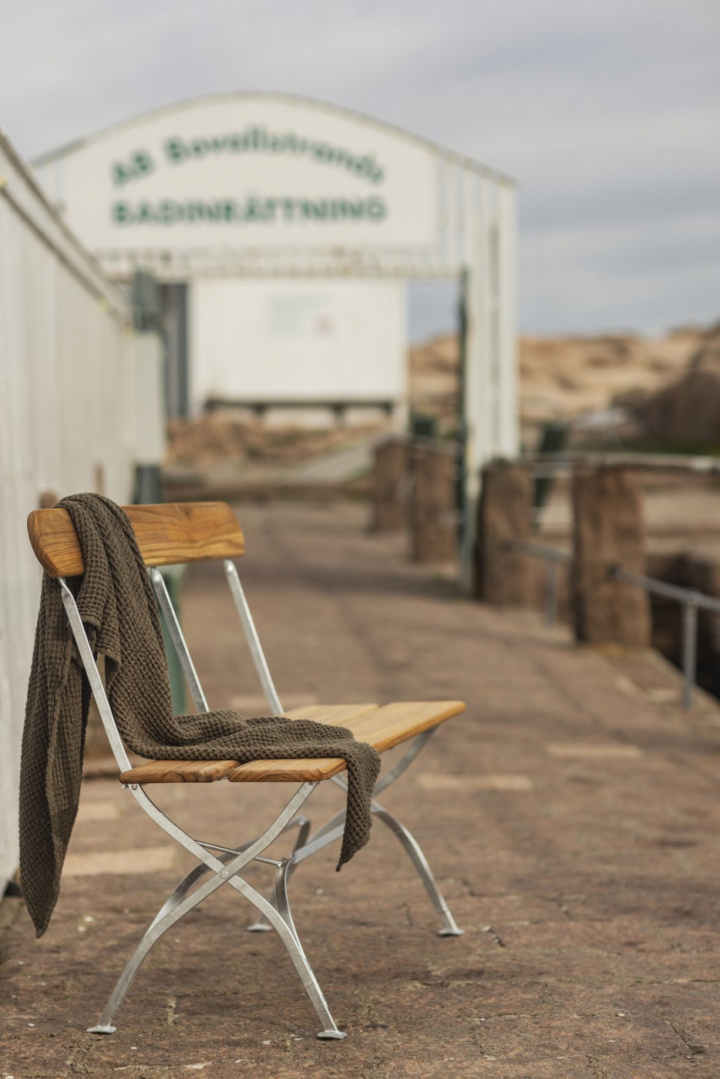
<point x="572" y="818"/>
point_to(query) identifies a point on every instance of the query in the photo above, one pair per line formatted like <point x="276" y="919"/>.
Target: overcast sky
<point x="607" y="112"/>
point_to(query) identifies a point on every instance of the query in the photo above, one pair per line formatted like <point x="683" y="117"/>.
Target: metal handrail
<point x="672" y="591"/>
<point x="690" y="599"/>
<point x="550" y="554"/>
<point x="555" y="557"/>
<point x="552" y="463"/>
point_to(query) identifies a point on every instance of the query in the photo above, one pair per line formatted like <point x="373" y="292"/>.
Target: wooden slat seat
<point x="382" y="728"/>
<point x="178" y="772"/>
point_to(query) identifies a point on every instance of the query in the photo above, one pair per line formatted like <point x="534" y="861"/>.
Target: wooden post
<point x="608" y="530"/>
<point x="390" y="481"/>
<point x="502" y="574"/>
<point x="433" y="516"/>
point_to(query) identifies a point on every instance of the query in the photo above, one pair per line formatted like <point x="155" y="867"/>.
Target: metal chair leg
<point x="159" y="925"/>
<point x="413" y="849"/>
<point x="411" y="845"/>
<point x="449" y="927"/>
<point x="224" y="871"/>
<point x="281" y="920"/>
<point x="262" y="925"/>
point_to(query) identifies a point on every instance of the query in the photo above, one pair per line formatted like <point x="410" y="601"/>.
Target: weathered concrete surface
<point x="572" y="818"/>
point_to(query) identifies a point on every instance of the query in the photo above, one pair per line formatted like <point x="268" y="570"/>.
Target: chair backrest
<point x="167" y="533"/>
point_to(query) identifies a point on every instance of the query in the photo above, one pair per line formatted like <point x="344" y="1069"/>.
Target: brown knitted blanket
<point x="120" y="615"/>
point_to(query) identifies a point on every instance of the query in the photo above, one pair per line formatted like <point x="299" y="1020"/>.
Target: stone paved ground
<point x="572" y="818"/>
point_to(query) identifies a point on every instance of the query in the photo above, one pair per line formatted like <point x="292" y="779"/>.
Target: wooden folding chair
<point x="192" y="532"/>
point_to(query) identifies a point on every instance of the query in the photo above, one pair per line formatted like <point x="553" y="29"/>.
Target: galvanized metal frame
<point x="225" y="866"/>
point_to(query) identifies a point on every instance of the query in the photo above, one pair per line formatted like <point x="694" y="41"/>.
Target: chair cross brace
<point x="225" y="866"/>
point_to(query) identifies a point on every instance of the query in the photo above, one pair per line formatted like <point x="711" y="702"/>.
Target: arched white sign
<point x="246" y="172"/>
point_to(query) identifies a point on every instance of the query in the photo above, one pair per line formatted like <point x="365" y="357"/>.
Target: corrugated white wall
<point x="79" y="408"/>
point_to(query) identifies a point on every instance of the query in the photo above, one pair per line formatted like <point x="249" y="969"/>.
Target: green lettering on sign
<point x="254" y="210"/>
<point x="140" y="163"/>
<point x="254" y="139"/>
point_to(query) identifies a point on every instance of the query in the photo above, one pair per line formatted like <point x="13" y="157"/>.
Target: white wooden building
<point x="80" y="408"/>
<point x="284" y="231"/>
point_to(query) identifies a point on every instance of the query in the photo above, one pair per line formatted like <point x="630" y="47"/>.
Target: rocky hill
<point x="561" y="378"/>
<point x="686" y="413"/>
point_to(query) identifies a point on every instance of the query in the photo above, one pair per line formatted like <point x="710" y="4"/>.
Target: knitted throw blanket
<point x="120" y="615"/>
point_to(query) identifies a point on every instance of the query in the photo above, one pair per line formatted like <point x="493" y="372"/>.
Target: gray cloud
<point x="608" y="114"/>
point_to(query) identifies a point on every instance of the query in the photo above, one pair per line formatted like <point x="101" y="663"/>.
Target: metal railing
<point x="551" y="464"/>
<point x="690" y="599"/>
<point x="555" y="557"/>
